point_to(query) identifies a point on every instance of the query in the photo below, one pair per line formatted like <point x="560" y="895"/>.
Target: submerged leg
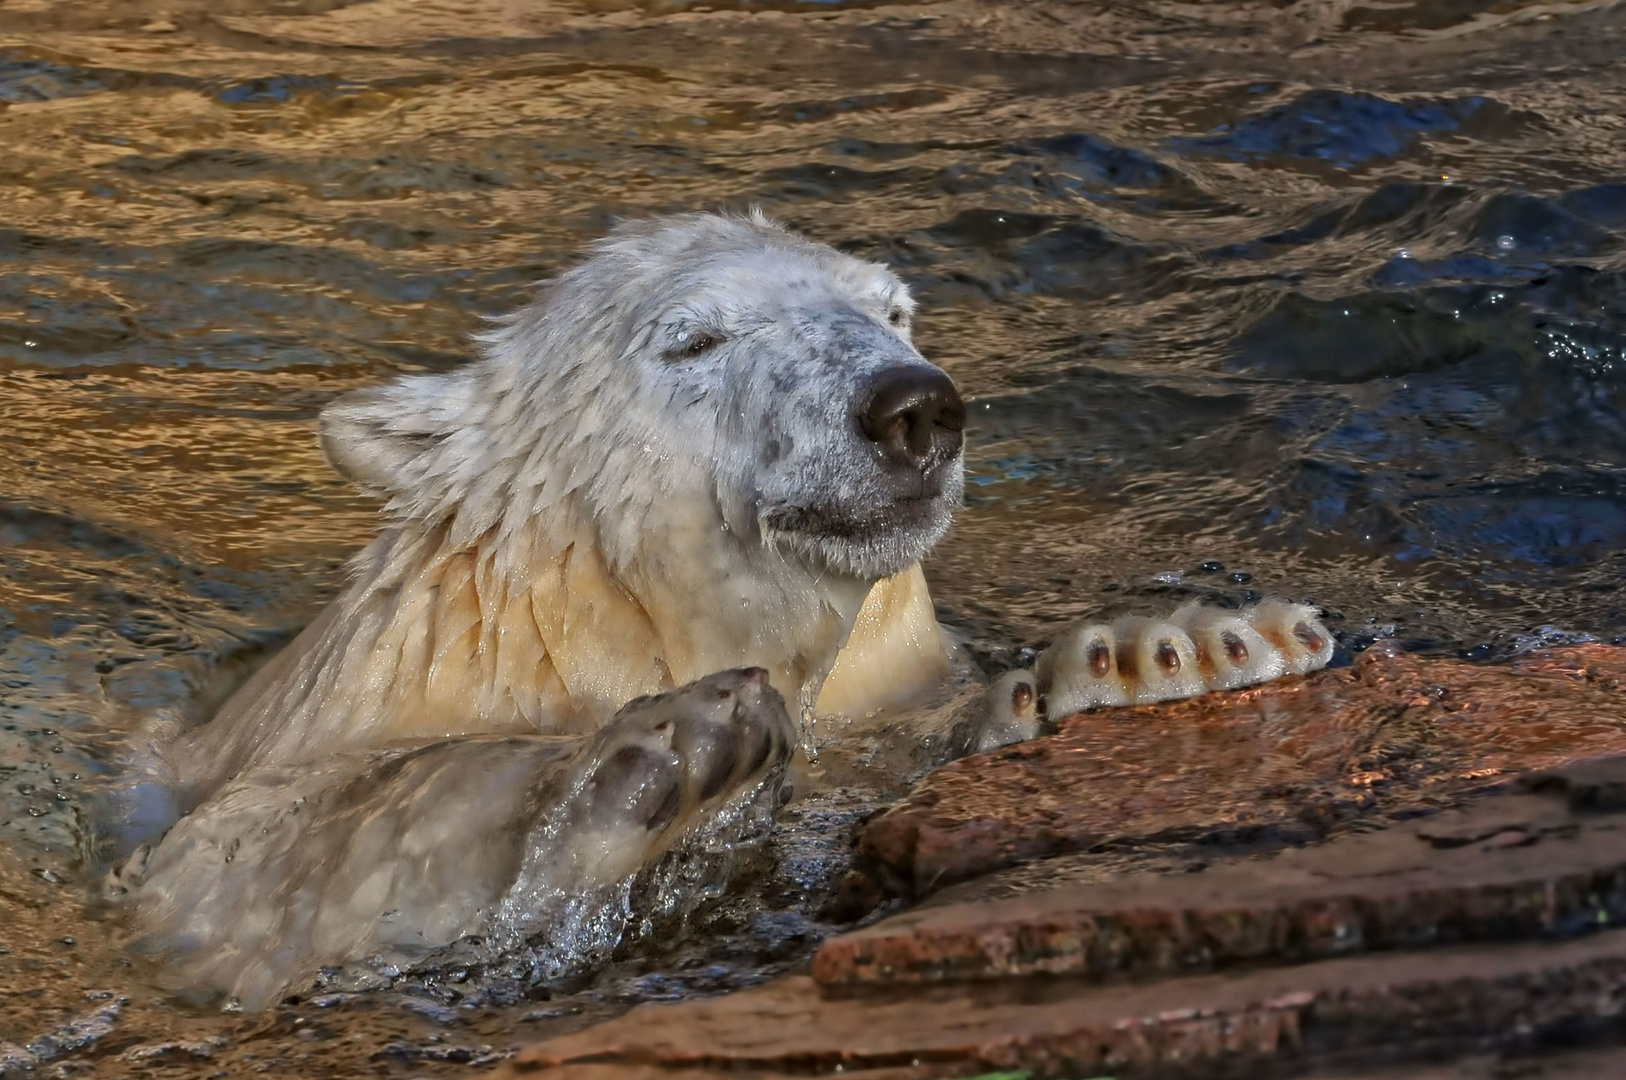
<point x="382" y="857"/>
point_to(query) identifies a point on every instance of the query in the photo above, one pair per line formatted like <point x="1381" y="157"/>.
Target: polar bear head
<point x="698" y="364"/>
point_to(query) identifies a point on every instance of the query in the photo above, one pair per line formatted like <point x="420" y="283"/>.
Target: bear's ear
<point x="379" y="437"/>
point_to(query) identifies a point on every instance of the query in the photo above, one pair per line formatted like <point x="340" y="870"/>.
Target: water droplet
<point x="1403" y="253"/>
<point x="1505" y="242"/>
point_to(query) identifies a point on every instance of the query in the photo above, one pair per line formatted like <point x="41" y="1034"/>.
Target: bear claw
<point x="1137" y="661"/>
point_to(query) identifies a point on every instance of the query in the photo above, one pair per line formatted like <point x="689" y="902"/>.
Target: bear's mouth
<point x="900" y="515"/>
<point x="875" y="541"/>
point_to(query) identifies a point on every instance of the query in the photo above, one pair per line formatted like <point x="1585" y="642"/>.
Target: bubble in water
<point x="1505" y="242"/>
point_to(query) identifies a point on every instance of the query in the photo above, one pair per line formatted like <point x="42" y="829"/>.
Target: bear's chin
<point x="871" y="543"/>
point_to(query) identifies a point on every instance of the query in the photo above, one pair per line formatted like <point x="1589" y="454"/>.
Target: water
<point x="1322" y="299"/>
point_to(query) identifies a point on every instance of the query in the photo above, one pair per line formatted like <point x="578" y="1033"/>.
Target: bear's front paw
<point x="1137" y="661"/>
<point x="667" y="763"/>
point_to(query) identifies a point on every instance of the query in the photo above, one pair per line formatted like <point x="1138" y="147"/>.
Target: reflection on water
<point x="1323" y="298"/>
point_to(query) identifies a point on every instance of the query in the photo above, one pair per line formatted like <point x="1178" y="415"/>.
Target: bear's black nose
<point x="915" y="414"/>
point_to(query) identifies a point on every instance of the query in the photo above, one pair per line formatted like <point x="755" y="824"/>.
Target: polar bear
<point x="711" y="445"/>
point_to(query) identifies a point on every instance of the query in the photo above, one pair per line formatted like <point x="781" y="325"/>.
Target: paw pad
<point x="1137" y="660"/>
<point x="664" y="759"/>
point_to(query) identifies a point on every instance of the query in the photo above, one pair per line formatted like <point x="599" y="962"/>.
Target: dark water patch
<point x="1396" y="212"/>
<point x="813" y="110"/>
<point x="1094" y="161"/>
<point x="1369" y="336"/>
<point x="1082" y="260"/>
<point x="1572" y="318"/>
<point x="29" y="246"/>
<point x="1003" y="253"/>
<point x="283" y="89"/>
<point x="35" y="76"/>
<point x="47" y="319"/>
<point x="29" y="77"/>
<point x="818" y="181"/>
<point x="1063" y="168"/>
<point x="1320" y="225"/>
<point x="25" y="79"/>
<point x="1558" y="519"/>
<point x="1336" y="128"/>
<point x="1602" y="205"/>
<point x="1585" y="350"/>
<point x="94" y="314"/>
<point x="876" y="150"/>
<point x="27" y="526"/>
<point x="1115" y="426"/>
<point x="213" y="163"/>
<point x="1405" y="271"/>
<point x="1425" y="15"/>
<point x="387" y="176"/>
<point x="988" y="228"/>
<point x="1408" y="209"/>
<point x="1520" y="226"/>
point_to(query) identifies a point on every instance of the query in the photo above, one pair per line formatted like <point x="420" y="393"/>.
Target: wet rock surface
<point x="1280" y="1020"/>
<point x="1391" y="736"/>
<point x="1481" y="927"/>
<point x="1511" y="866"/>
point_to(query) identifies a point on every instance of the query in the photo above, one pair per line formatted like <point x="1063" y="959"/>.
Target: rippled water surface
<point x="1321" y="298"/>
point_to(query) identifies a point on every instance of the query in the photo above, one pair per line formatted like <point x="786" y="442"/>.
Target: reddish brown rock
<point x="1508" y="867"/>
<point x="1334" y="1011"/>
<point x="1095" y="979"/>
<point x="1394" y="733"/>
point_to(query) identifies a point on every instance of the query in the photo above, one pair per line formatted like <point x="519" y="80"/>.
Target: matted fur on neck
<point x="433" y="640"/>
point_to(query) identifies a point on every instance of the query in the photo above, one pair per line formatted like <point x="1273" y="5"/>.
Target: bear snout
<point x="914" y="413"/>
